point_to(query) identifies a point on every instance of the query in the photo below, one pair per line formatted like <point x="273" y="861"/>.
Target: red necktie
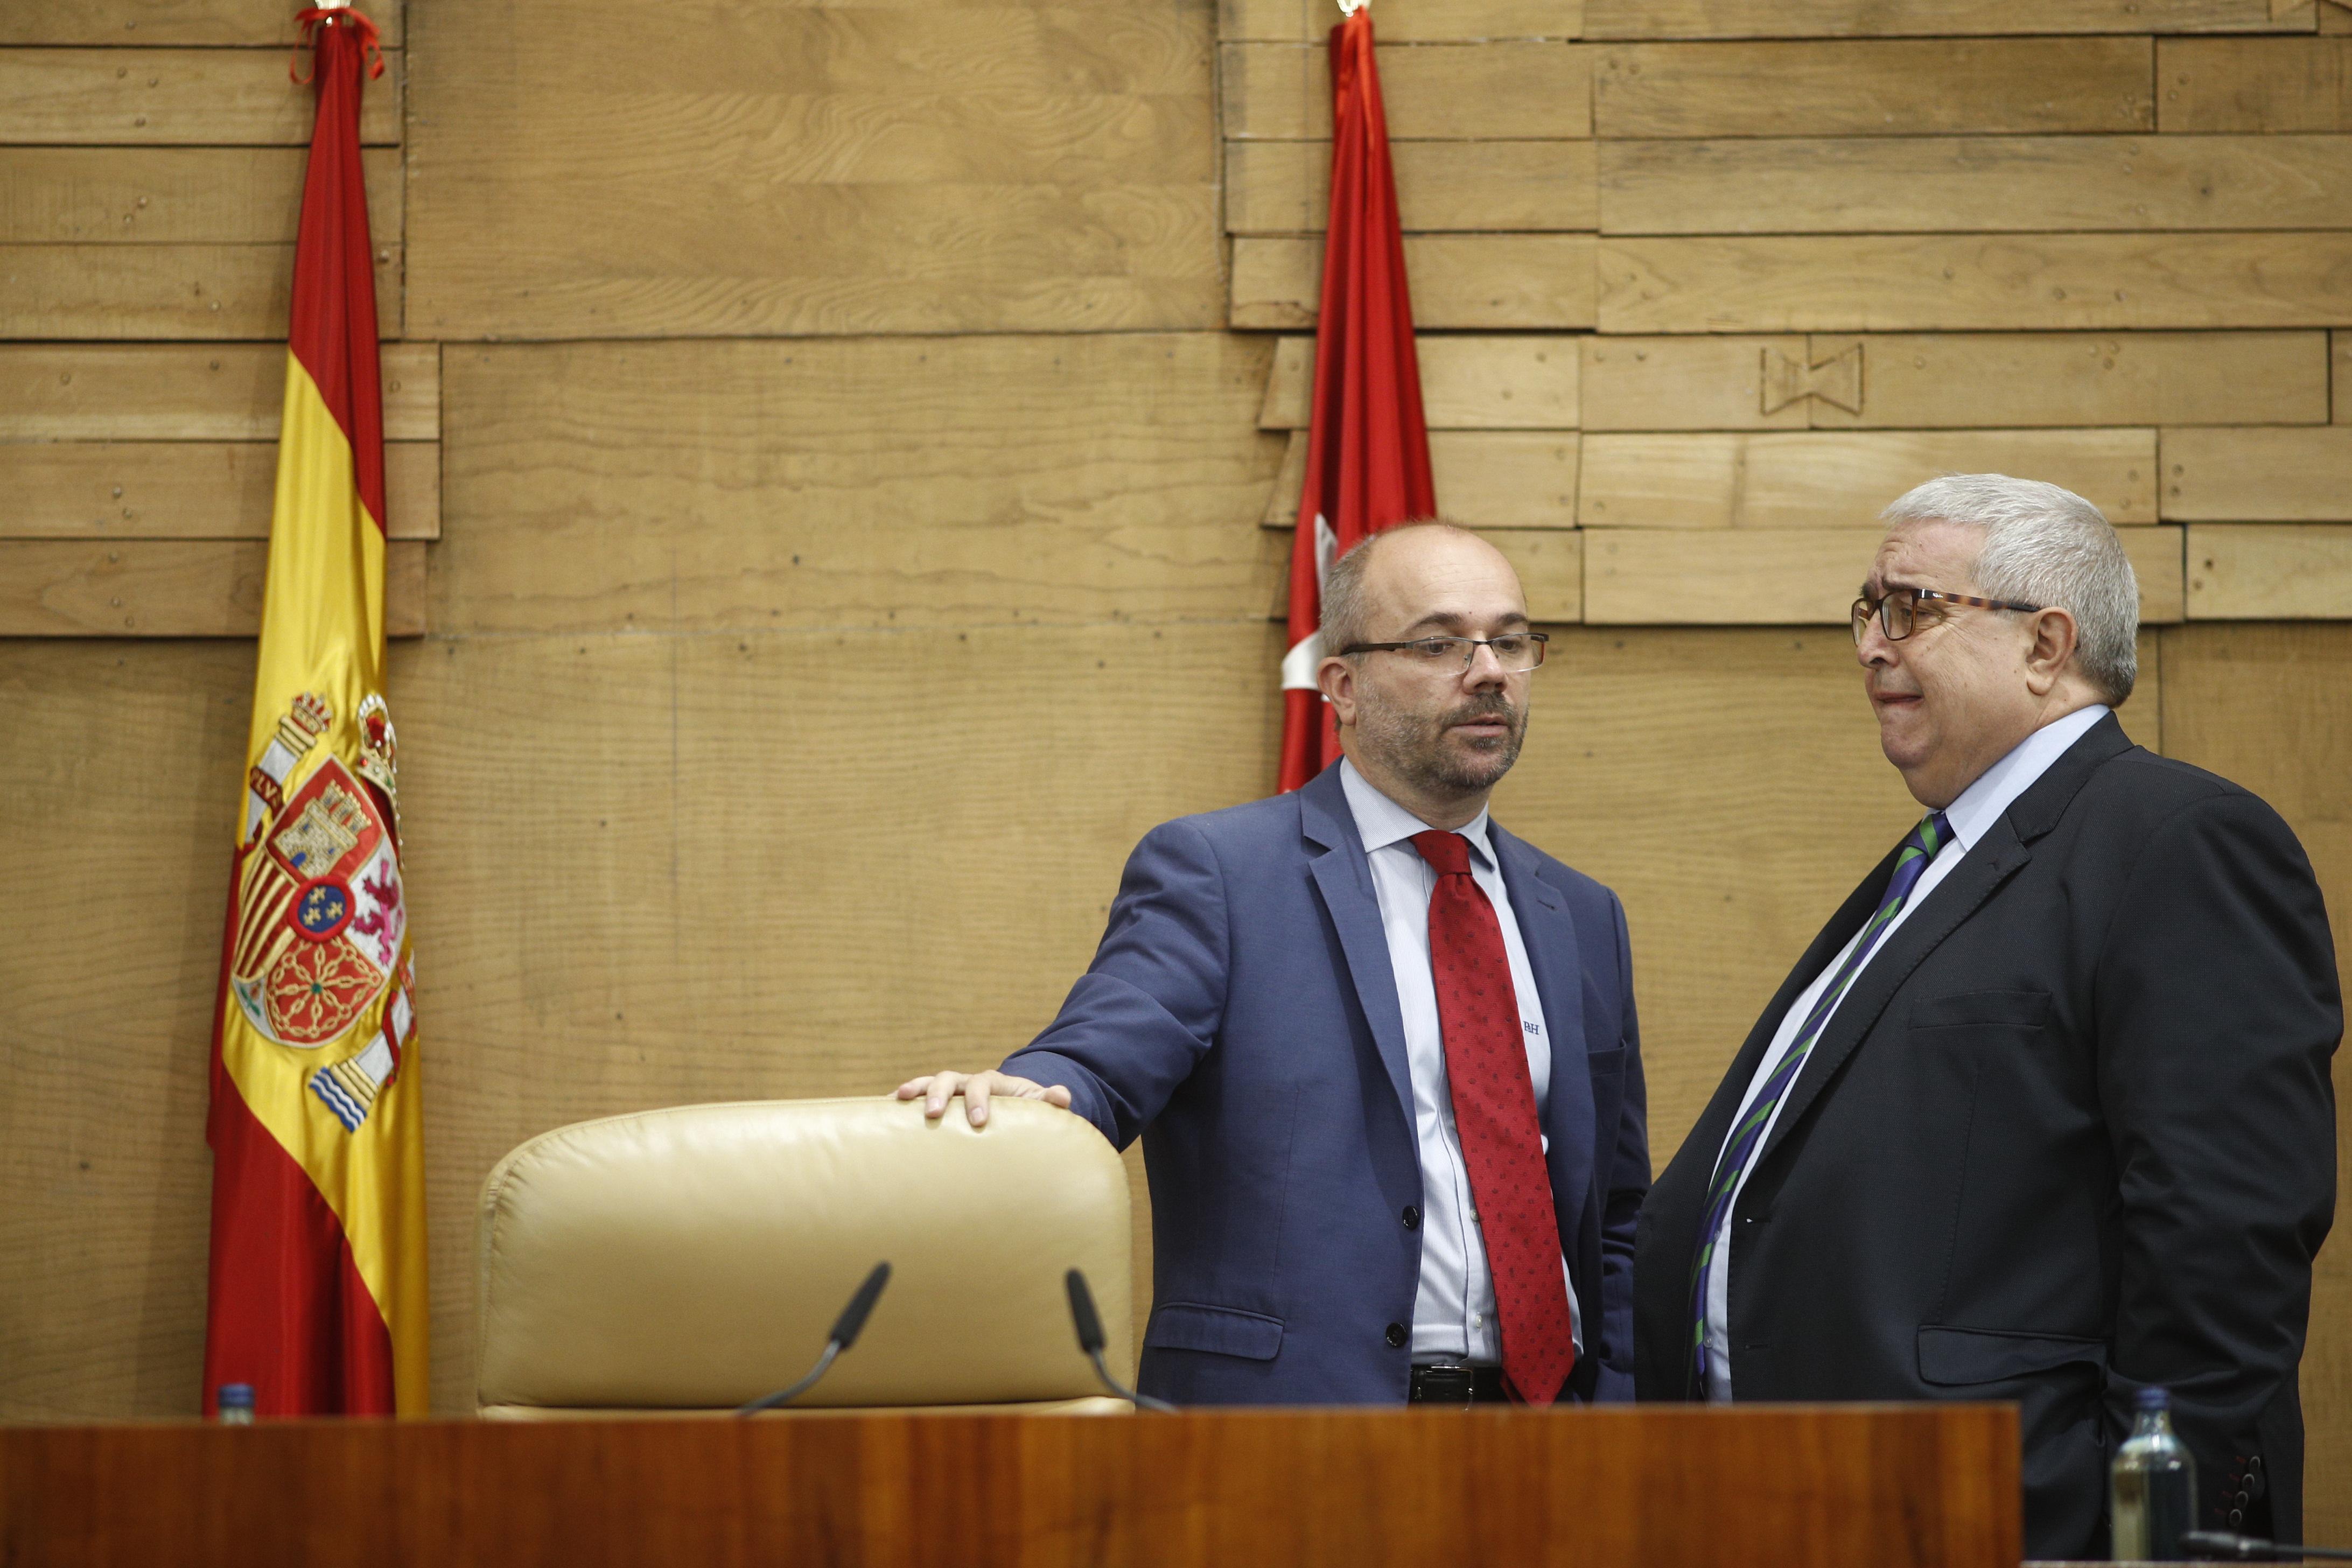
<point x="1495" y="1117"/>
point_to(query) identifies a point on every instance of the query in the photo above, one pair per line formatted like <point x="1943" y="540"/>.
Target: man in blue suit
<point x="1381" y="1054"/>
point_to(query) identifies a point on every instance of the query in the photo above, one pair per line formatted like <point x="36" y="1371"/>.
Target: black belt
<point x="1452" y="1383"/>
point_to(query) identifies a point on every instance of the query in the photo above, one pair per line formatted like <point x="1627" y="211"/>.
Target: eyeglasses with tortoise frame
<point x="1902" y="611"/>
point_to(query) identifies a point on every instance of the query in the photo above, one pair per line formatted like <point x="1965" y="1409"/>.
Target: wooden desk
<point x="1829" y="1487"/>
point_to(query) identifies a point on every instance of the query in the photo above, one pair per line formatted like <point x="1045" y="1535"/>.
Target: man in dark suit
<point x="1381" y="1054"/>
<point x="2043" y="1114"/>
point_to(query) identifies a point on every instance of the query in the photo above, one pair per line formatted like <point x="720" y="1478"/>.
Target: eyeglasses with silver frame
<point x="1516" y="652"/>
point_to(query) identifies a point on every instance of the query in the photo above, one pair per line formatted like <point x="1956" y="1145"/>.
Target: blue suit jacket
<point x="1242" y="1016"/>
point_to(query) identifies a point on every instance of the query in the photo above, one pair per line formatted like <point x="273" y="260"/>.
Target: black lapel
<point x="1998" y="856"/>
<point x="1344" y="876"/>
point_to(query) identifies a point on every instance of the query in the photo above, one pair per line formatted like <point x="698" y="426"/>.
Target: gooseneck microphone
<point x="1091" y="1341"/>
<point x="2222" y="1546"/>
<point x="845" y="1334"/>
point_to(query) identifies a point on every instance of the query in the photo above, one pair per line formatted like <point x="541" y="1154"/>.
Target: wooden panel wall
<point x="830" y="447"/>
<point x="151" y="176"/>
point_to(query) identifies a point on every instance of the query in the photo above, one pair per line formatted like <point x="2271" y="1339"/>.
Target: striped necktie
<point x="1932" y="834"/>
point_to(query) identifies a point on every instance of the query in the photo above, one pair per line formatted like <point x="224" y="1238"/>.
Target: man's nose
<point x="1485" y="669"/>
<point x="1873" y="648"/>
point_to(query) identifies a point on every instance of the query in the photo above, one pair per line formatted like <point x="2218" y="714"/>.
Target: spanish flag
<point x="316" y="1292"/>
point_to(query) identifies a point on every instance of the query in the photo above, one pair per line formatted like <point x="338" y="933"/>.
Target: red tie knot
<point x="1448" y="852"/>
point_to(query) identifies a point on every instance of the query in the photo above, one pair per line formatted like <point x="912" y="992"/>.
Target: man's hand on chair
<point x="937" y="1089"/>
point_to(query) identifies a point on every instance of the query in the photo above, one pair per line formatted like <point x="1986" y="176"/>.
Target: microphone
<point x="1091" y="1341"/>
<point x="2225" y="1547"/>
<point x="844" y="1333"/>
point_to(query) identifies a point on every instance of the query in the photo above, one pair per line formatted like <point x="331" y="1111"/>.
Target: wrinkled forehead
<point x="1934" y="553"/>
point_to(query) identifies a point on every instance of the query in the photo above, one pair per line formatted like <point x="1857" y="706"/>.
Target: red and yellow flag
<point x="1367" y="444"/>
<point x="318" y="1294"/>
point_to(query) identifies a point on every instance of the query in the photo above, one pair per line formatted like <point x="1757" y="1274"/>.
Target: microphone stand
<point x="1091" y="1341"/>
<point x="846" y="1329"/>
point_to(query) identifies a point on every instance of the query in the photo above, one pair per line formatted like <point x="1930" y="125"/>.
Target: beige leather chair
<point x="692" y="1259"/>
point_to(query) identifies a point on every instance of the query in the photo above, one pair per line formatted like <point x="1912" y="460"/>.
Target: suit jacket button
<point x="1398" y="1334"/>
<point x="1412" y="1218"/>
<point x="2237" y="1517"/>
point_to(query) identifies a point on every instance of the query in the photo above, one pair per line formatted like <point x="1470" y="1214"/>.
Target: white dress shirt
<point x="1454" y="1314"/>
<point x="1970" y="817"/>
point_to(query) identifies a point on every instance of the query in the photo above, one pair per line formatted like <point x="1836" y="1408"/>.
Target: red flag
<point x="318" y="1292"/>
<point x="1367" y="446"/>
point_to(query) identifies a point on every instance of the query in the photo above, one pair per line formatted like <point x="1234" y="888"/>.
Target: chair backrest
<point x="693" y="1259"/>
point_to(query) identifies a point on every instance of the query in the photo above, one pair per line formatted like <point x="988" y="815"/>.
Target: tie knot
<point x="1932" y="834"/>
<point x="1448" y="852"/>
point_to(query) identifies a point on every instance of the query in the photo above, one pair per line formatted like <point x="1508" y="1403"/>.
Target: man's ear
<point x="1336" y="679"/>
<point x="2055" y="639"/>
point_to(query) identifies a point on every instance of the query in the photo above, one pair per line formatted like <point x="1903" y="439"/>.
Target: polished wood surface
<point x="1917" y="1487"/>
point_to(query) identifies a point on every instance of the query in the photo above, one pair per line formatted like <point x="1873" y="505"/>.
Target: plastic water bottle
<point x="2153" y="1487"/>
<point x="236" y="1403"/>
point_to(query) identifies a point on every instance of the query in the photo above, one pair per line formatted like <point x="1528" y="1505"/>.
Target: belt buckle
<point x="1442" y="1383"/>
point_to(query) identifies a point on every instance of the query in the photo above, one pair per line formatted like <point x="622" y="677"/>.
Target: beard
<point x="1418" y="749"/>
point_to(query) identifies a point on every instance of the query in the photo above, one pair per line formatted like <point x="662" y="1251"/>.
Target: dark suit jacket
<point x="1242" y="1016"/>
<point x="2070" y="1133"/>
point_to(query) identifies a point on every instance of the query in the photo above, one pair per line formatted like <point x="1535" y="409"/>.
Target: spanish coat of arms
<point x="319" y="930"/>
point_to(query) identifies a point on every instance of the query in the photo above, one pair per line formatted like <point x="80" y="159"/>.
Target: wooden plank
<point x="1458" y="280"/>
<point x="203" y="291"/>
<point x="2159" y="562"/>
<point x="2270" y="475"/>
<point x="920" y="170"/>
<point x="211" y="24"/>
<point x="161" y="96"/>
<point x="1885" y="184"/>
<point x="1519" y="382"/>
<point x="2270" y="572"/>
<point x="1832" y="479"/>
<point x="1958" y="282"/>
<point x="924" y="482"/>
<point x="188" y="392"/>
<point x="166" y="588"/>
<point x="1550" y="564"/>
<point x="1284" y="187"/>
<point x="1427" y="22"/>
<point x="1485" y="478"/>
<point x="211" y="195"/>
<point x="184" y="490"/>
<point x="1930" y="18"/>
<point x="1500" y="92"/>
<point x="1784" y="576"/>
<point x="1509" y="480"/>
<point x="1935" y="380"/>
<point x="1686" y="383"/>
<point x="2254" y="84"/>
<point x="1873" y="87"/>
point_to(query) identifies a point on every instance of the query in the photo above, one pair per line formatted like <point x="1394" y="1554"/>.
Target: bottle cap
<point x="237" y="1396"/>
<point x="2155" y="1399"/>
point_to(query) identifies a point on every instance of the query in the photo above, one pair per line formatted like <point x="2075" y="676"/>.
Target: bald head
<point x="1405" y="571"/>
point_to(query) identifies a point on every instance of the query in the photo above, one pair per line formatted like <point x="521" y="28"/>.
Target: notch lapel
<point x="1547" y="933"/>
<point x="1343" y="876"/>
<point x="1996" y="858"/>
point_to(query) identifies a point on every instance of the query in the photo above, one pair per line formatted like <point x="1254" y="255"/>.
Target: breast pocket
<point x="1996" y="1010"/>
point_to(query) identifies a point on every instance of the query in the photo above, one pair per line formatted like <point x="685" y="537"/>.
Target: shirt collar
<point x="1997" y="788"/>
<point x="1382" y="822"/>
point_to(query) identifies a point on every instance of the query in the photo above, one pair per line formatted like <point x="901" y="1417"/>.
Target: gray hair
<point x="2047" y="546"/>
<point x="1343" y="585"/>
